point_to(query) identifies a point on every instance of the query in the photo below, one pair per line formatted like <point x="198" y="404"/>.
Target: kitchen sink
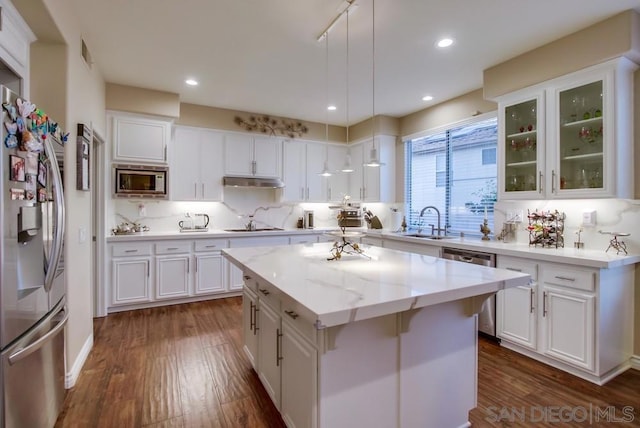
<point x="259" y="229"/>
<point x="434" y="237"/>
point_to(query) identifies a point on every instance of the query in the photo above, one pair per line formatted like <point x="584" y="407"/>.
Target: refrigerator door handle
<point x="59" y="216"/>
<point x="28" y="350"/>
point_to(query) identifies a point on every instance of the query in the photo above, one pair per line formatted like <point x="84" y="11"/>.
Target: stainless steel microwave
<point x="140" y="181"/>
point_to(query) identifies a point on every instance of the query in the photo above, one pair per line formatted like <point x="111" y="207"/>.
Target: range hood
<point x="253" y="182"/>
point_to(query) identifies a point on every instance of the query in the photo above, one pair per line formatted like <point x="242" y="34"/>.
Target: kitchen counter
<point x="569" y="255"/>
<point x="353" y="342"/>
<point x="211" y="233"/>
<point x="353" y="288"/>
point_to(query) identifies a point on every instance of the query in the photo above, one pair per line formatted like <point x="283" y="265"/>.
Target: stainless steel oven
<point x="487" y="316"/>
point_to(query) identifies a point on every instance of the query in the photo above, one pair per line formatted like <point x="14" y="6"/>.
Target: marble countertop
<point x="569" y="255"/>
<point x="336" y="292"/>
<point x="211" y="233"/>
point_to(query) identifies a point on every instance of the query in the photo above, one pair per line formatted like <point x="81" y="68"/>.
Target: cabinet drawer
<point x="173" y="247"/>
<point x="210" y="244"/>
<point x="131" y="250"/>
<point x="303" y="239"/>
<point x="569" y="276"/>
<point x="269" y="294"/>
<point x="518" y="265"/>
<point x="305" y="327"/>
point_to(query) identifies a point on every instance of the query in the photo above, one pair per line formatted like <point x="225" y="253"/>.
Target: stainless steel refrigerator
<point x="32" y="286"/>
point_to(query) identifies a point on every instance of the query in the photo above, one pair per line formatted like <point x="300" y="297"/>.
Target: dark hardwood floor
<point x="183" y="366"/>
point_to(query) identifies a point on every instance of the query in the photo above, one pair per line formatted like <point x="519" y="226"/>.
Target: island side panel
<point x="438" y="366"/>
<point x="358" y="384"/>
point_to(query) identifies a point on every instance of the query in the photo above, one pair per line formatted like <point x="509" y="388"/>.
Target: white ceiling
<point x="262" y="55"/>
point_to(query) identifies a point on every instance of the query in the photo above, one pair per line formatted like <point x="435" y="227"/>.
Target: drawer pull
<point x="278" y="344"/>
<point x="564" y="278"/>
<point x="252" y="315"/>
<point x="265" y="291"/>
<point x="514" y="269"/>
<point x="210" y="246"/>
<point x="292" y="314"/>
<point x="131" y="251"/>
<point x="172" y="248"/>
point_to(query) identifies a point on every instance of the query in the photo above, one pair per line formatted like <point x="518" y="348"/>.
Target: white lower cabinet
<point x="575" y="318"/>
<point x="209" y="274"/>
<point x="250" y="326"/>
<point x="299" y="385"/>
<point x="131" y="273"/>
<point x="425" y="249"/>
<point x="172" y="276"/>
<point x="269" y="350"/>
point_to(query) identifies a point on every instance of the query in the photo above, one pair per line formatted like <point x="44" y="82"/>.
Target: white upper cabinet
<point x="303" y="162"/>
<point x="196" y="165"/>
<point x="373" y="184"/>
<point x="139" y="139"/>
<point x="569" y="137"/>
<point x="246" y="155"/>
<point x="15" y="42"/>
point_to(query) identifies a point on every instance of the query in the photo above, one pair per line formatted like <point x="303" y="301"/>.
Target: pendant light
<point x="374" y="160"/>
<point x="325" y="171"/>
<point x="347" y="167"/>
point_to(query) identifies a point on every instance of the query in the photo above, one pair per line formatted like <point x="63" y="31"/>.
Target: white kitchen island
<point x="386" y="341"/>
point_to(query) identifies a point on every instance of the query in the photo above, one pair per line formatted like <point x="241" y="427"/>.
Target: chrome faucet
<point x="251" y="225"/>
<point x="429" y="207"/>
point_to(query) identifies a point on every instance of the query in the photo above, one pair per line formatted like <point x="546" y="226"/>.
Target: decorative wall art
<point x="268" y="125"/>
<point x="42" y="174"/>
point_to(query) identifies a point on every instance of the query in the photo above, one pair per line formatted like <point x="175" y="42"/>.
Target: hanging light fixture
<point x="347" y="167"/>
<point x="374" y="160"/>
<point x="326" y="172"/>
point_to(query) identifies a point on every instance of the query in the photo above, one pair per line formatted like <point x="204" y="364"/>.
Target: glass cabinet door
<point x="581" y="150"/>
<point x="521" y="127"/>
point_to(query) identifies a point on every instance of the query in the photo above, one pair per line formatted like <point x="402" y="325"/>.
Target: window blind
<point x="455" y="171"/>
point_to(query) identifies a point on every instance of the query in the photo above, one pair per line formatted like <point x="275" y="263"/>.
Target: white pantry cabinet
<point x="196" y="165"/>
<point x="139" y="139"/>
<point x="575" y="318"/>
<point x="373" y="184"/>
<point x="569" y="137"/>
<point x="248" y="155"/>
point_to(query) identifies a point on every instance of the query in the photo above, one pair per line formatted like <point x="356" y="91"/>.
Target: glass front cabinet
<point x="571" y="137"/>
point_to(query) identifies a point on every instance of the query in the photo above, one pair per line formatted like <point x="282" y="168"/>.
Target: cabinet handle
<point x="544" y="304"/>
<point x="264" y="291"/>
<point x="531" y="294"/>
<point x="196" y="263"/>
<point x="307" y="193"/>
<point x="202" y="184"/>
<point x="165" y="152"/>
<point x="329" y="195"/>
<point x="210" y="246"/>
<point x="195" y="190"/>
<point x="172" y="248"/>
<point x="255" y="319"/>
<point x="302" y="193"/>
<point x="131" y="251"/>
<point x="252" y="319"/>
<point x="253" y="167"/>
<point x="148" y="270"/>
<point x="188" y="266"/>
<point x="540" y="176"/>
<point x="292" y="314"/>
<point x="514" y="269"/>
<point x="278" y="342"/>
<point x="565" y="278"/>
<point x="553" y="181"/>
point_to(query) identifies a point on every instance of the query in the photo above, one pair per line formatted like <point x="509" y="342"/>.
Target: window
<point x="455" y="171"/>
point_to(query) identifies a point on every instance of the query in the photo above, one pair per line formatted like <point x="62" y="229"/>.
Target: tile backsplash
<point x="612" y="215"/>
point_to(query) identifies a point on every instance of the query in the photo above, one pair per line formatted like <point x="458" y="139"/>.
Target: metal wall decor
<point x="268" y="125"/>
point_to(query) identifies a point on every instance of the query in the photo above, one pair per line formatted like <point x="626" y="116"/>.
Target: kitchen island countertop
<point x="353" y="288"/>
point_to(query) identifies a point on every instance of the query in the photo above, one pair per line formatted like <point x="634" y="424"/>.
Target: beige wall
<point x="451" y="111"/>
<point x="608" y="39"/>
<point x="140" y="100"/>
<point x="384" y="125"/>
<point x="72" y="93"/>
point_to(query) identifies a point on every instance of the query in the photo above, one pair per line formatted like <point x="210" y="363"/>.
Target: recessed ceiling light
<point x="427" y="98"/>
<point x="444" y="43"/>
<point x="191" y="82"/>
<point x="332" y="108"/>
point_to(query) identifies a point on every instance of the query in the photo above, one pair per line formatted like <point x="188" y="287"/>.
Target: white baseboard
<point x="635" y="362"/>
<point x="72" y="376"/>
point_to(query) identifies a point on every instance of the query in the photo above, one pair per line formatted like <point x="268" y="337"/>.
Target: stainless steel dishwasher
<point x="487" y="316"/>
